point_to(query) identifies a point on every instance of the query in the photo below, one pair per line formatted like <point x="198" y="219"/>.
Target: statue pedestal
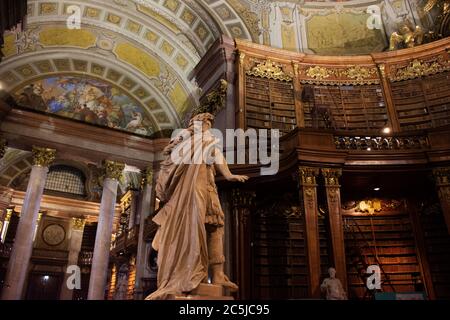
<point x="204" y="291"/>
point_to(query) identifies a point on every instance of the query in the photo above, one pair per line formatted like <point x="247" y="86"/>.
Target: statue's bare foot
<point x="223" y="280"/>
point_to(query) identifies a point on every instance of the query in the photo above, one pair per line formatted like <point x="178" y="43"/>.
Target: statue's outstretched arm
<point x="222" y="166"/>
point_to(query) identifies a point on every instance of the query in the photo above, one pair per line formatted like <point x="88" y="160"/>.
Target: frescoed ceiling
<point x="147" y="48"/>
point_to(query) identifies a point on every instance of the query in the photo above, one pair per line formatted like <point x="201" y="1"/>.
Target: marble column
<point x="23" y="243"/>
<point x="146" y="206"/>
<point x="308" y="194"/>
<point x="442" y="177"/>
<point x="333" y="192"/>
<point x="100" y="260"/>
<point x="76" y="238"/>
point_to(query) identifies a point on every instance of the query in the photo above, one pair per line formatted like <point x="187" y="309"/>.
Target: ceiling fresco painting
<point x="88" y="100"/>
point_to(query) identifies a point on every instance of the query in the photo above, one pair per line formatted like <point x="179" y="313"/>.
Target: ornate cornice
<point x="269" y="69"/>
<point x="113" y="170"/>
<point x="331" y="176"/>
<point x="418" y="68"/>
<point x="43" y="157"/>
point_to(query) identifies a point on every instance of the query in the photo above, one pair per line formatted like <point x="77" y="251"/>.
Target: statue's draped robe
<point x="181" y="239"/>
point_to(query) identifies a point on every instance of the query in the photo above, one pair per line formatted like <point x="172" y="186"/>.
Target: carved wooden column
<point x="76" y="239"/>
<point x="387" y="90"/>
<point x="113" y="172"/>
<point x="308" y="194"/>
<point x="442" y="176"/>
<point x="242" y="269"/>
<point x="23" y="244"/>
<point x="240" y="94"/>
<point x="335" y="221"/>
<point x="146" y="206"/>
<point x="298" y="98"/>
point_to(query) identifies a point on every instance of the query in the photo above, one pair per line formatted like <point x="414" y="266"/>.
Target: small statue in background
<point x="407" y="37"/>
<point x="332" y="287"/>
<point x="122" y="283"/>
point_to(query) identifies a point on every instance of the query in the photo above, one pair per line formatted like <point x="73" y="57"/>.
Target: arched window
<point x="66" y="179"/>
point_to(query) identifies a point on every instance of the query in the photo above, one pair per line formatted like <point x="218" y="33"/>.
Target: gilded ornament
<point x="269" y="69"/>
<point x="442" y="176"/>
<point x="43" y="157"/>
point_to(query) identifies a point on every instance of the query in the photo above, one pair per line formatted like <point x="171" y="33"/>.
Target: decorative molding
<point x="43" y="157"/>
<point x="418" y="68"/>
<point x="269" y="69"/>
<point x="113" y="170"/>
<point x="371" y="206"/>
<point x="381" y="143"/>
<point x="78" y="224"/>
<point x="351" y="75"/>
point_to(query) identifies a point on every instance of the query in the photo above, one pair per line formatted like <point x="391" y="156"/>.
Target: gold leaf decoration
<point x="319" y="73"/>
<point x="269" y="69"/>
<point x="419" y="68"/>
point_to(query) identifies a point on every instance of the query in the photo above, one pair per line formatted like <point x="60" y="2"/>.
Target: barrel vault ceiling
<point x="147" y="48"/>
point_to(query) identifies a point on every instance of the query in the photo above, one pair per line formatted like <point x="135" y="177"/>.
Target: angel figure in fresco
<point x="189" y="239"/>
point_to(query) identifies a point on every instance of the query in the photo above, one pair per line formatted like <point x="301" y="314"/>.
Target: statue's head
<point x="332" y="272"/>
<point x="207" y="120"/>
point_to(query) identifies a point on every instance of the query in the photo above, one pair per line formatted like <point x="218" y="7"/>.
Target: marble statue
<point x="332" y="287"/>
<point x="189" y="239"/>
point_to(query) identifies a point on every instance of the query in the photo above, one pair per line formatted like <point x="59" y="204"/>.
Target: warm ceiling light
<point x="1" y="86"/>
<point x="386" y="130"/>
<point x="376" y="189"/>
<point x="369" y="149"/>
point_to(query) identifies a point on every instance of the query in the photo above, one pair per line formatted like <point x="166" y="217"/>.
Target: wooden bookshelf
<point x="269" y="104"/>
<point x="390" y="238"/>
<point x="423" y="103"/>
<point x="347" y="107"/>
<point x="280" y="266"/>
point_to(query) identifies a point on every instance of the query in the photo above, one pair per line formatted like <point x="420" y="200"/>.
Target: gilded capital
<point x="331" y="176"/>
<point x="308" y="175"/>
<point x="43" y="157"/>
<point x="147" y="176"/>
<point x="78" y="223"/>
<point x="3" y="145"/>
<point x="241" y="57"/>
<point x="8" y="214"/>
<point x="442" y="176"/>
<point x="113" y="170"/>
